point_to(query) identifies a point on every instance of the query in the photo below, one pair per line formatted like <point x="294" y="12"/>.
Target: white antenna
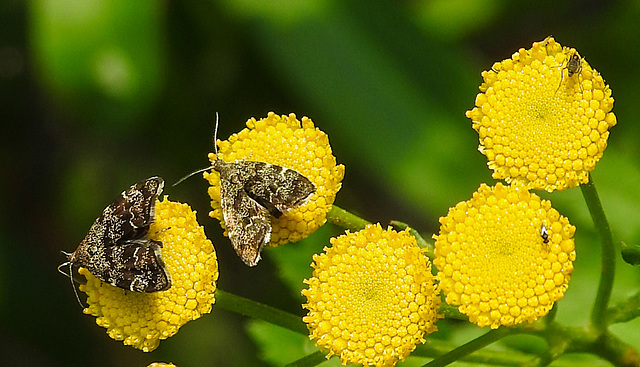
<point x="215" y="136"/>
<point x="215" y="146"/>
<point x="70" y="275"/>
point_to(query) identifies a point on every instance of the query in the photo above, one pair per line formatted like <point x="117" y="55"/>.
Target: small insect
<point x="117" y="250"/>
<point x="574" y="65"/>
<point x="252" y="192"/>
<point x="544" y="234"/>
<point x="546" y="42"/>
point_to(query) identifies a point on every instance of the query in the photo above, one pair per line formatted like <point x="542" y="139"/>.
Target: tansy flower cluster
<point x="505" y="256"/>
<point x="372" y="297"/>
<point x="287" y="142"/>
<point x="143" y="319"/>
<point x="543" y="117"/>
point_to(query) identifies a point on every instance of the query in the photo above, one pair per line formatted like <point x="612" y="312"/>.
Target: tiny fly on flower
<point x="573" y="66"/>
<point x="544" y="234"/>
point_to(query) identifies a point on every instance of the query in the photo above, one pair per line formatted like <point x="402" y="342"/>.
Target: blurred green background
<point x="95" y="96"/>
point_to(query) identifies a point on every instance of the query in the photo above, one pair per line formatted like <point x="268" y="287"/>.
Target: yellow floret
<point x="541" y="122"/>
<point x="288" y="142"/>
<point x="505" y="256"/>
<point x="372" y="297"/>
<point x="143" y="319"/>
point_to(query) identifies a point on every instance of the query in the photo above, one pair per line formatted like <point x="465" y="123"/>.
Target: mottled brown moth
<point x="117" y="250"/>
<point x="250" y="194"/>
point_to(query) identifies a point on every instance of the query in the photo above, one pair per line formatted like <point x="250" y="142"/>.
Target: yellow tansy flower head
<point x="290" y="143"/>
<point x="543" y="117"/>
<point x="143" y="319"/>
<point x="372" y="297"/>
<point x="505" y="256"/>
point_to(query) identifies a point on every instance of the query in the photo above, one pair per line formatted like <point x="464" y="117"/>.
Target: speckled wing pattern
<point x="116" y="249"/>
<point x="249" y="193"/>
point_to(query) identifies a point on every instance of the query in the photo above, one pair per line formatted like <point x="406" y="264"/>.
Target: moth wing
<point x="247" y="223"/>
<point x="129" y="215"/>
<point x="277" y="188"/>
<point x="118" y="231"/>
<point x="140" y="266"/>
<point x="134" y="210"/>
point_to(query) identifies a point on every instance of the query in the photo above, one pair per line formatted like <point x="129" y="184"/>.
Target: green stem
<point x="344" y="219"/>
<point x="451" y="312"/>
<point x="612" y="349"/>
<point x="607" y="272"/>
<point x="435" y="347"/>
<point x="470" y="347"/>
<point x="313" y="359"/>
<point x="625" y="311"/>
<point x="422" y="243"/>
<point x="551" y="316"/>
<point x="257" y="310"/>
<point x="563" y="340"/>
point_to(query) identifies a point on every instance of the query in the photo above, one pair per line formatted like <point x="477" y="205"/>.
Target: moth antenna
<point x="215" y="136"/>
<point x="75" y="291"/>
<point x="70" y="275"/>
<point x="215" y="146"/>
<point x="191" y="174"/>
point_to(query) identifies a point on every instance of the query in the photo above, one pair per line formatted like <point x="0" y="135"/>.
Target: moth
<point x="117" y="249"/>
<point x="251" y="193"/>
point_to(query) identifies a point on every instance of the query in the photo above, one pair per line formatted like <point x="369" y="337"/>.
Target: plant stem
<point x="607" y="271"/>
<point x="313" y="359"/>
<point x="612" y="349"/>
<point x="344" y="219"/>
<point x="470" y="347"/>
<point x="625" y="311"/>
<point x="257" y="310"/>
<point x="422" y="243"/>
<point x="435" y="347"/>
